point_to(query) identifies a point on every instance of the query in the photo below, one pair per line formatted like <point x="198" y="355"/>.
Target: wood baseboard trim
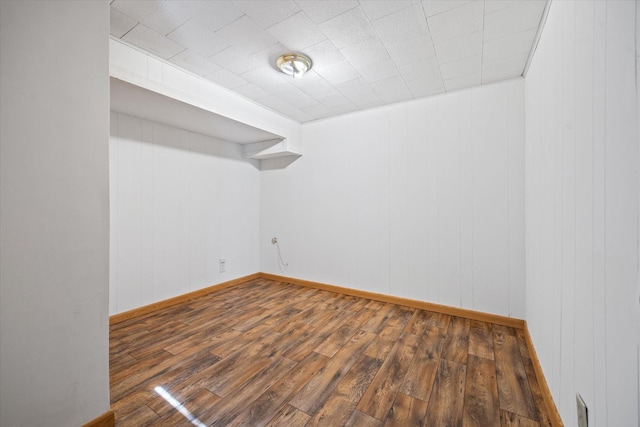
<point x="438" y="308"/>
<point x="140" y="311"/>
<point x="107" y="419"/>
<point x="552" y="410"/>
<point x="407" y="302"/>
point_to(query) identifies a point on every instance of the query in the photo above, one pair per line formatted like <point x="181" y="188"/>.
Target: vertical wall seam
<point x="116" y="180"/>
<point x="471" y="160"/>
<point x="460" y="197"/>
<point x="637" y="59"/>
<point x="141" y="200"/>
<point x="389" y="237"/>
<point x="606" y="49"/>
<point x="593" y="199"/>
<point x="509" y="255"/>
<point x="575" y="203"/>
<point x="153" y="202"/>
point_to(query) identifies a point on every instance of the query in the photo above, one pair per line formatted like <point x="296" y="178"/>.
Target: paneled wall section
<point x="180" y="201"/>
<point x="582" y="209"/>
<point x="423" y="200"/>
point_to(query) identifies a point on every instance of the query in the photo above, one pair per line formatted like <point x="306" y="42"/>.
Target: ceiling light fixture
<point x="294" y="64"/>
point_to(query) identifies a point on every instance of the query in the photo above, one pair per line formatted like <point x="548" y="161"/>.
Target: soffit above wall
<point x="365" y="53"/>
<point x="140" y="102"/>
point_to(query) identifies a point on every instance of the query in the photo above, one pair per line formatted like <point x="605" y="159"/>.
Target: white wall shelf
<point x="152" y="89"/>
<point x="129" y="98"/>
<point x="145" y="103"/>
<point x="270" y="150"/>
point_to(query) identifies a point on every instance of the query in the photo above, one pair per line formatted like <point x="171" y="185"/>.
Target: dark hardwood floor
<point x="269" y="353"/>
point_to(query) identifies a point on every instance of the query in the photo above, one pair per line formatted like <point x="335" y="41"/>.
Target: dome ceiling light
<point x="294" y="64"/>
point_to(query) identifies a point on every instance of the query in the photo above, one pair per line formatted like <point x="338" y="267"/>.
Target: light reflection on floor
<point x="173" y="402"/>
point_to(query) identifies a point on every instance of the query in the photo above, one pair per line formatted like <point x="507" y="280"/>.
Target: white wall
<point x="54" y="114"/>
<point x="180" y="201"/>
<point x="582" y="209"/>
<point x="421" y="200"/>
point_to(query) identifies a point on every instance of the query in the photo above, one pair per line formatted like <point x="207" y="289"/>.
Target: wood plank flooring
<point x="270" y="353"/>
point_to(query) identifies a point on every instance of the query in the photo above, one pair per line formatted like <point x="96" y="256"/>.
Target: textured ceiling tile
<point x="195" y="63"/>
<point x="504" y="47"/>
<point x="252" y="91"/>
<point x="491" y="6"/>
<point x="198" y="38"/>
<point x="245" y="36"/>
<point x="153" y="42"/>
<point x="275" y="102"/>
<point x="461" y="67"/>
<point x="348" y="28"/>
<point x="312" y="84"/>
<point x="366" y="52"/>
<point x="301" y="102"/>
<point x="462" y="82"/>
<point x="297" y="98"/>
<point x="405" y="24"/>
<point x="234" y="61"/>
<point x="212" y="14"/>
<point x="332" y="99"/>
<point x="425" y="86"/>
<point x="227" y="79"/>
<point x="523" y="16"/>
<point x="349" y="107"/>
<point x="424" y="68"/>
<point x="338" y="73"/>
<point x="354" y="89"/>
<point x="322" y="10"/>
<point x="278" y="104"/>
<point x="380" y="70"/>
<point x="155" y="14"/>
<point x="504" y="68"/>
<point x="324" y="54"/>
<point x="371" y="101"/>
<point x="318" y="111"/>
<point x="269" y="56"/>
<point x="434" y="7"/>
<point x="376" y="9"/>
<point x="457" y="22"/>
<point x="462" y="47"/>
<point x="356" y="47"/>
<point x="267" y="79"/>
<point x="428" y="92"/>
<point x="121" y="24"/>
<point x="411" y="50"/>
<point x="392" y="90"/>
<point x="297" y="32"/>
<point x="301" y="116"/>
<point x="268" y="13"/>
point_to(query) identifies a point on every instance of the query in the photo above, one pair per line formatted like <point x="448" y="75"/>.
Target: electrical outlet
<point x="222" y="263"/>
<point x="583" y="414"/>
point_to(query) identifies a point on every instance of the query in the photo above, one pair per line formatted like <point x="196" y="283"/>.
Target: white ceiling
<point x="365" y="53"/>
